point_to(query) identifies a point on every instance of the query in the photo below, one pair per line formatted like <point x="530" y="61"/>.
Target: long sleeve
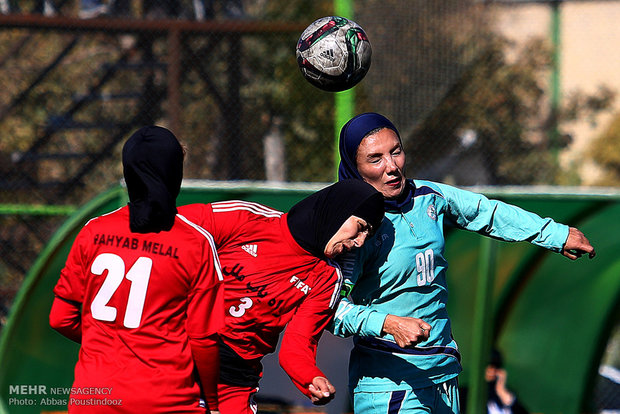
<point x="206" y="357"/>
<point x="494" y="218"/>
<point x="65" y="317"/>
<point x="298" y="359"/>
<point x="351" y="319"/>
<point x="300" y="340"/>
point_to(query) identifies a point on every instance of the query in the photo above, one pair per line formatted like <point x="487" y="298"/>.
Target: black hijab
<point x="153" y="170"/>
<point x="314" y="220"/>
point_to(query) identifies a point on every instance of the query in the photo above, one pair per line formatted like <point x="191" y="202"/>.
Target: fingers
<point x="425" y="331"/>
<point x="577" y="244"/>
<point x="406" y="330"/>
<point x="322" y="391"/>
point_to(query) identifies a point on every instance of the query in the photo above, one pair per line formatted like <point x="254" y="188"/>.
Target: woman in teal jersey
<point x="404" y="358"/>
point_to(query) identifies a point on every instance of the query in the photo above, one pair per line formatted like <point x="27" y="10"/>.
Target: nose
<point x="390" y="165"/>
<point x="360" y="239"/>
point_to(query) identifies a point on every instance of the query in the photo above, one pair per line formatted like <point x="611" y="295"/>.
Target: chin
<point x="392" y="193"/>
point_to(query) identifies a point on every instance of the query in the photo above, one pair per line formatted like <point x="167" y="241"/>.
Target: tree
<point x="605" y="152"/>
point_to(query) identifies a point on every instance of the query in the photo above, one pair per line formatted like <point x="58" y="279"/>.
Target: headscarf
<point x="314" y="220"/>
<point x="351" y="136"/>
<point x="153" y="170"/>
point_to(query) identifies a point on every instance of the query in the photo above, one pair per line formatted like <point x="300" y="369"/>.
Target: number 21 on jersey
<point x="138" y="275"/>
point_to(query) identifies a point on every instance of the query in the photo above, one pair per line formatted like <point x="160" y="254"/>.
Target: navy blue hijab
<point x="153" y="171"/>
<point x="351" y="135"/>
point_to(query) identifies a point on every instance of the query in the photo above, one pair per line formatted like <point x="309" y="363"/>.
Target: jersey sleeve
<point x="205" y="309"/>
<point x="494" y="218"/>
<point x="206" y="358"/>
<point x="71" y="284"/>
<point x="66" y="318"/>
<point x="350" y="318"/>
<point x="299" y="343"/>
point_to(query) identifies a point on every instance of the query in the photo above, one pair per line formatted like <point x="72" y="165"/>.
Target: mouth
<point x="396" y="182"/>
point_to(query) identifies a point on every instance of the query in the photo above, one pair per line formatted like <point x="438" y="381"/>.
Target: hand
<point x="500" y="387"/>
<point x="322" y="391"/>
<point x="406" y="331"/>
<point x="577" y="245"/>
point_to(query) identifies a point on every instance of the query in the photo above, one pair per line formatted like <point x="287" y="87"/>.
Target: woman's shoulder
<point x="424" y="187"/>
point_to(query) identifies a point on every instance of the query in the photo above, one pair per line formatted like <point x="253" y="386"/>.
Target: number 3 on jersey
<point x="139" y="275"/>
<point x="239" y="311"/>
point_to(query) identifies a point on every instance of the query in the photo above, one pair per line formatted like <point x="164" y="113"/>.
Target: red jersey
<point x="271" y="282"/>
<point x="143" y="296"/>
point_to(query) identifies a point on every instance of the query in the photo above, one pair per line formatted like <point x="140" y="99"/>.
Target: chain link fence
<point x="79" y="77"/>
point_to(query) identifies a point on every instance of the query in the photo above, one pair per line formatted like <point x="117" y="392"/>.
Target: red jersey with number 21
<point x="142" y="296"/>
<point x="271" y="282"/>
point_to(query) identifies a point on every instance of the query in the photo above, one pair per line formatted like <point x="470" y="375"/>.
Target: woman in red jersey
<point x="141" y="291"/>
<point x="278" y="273"/>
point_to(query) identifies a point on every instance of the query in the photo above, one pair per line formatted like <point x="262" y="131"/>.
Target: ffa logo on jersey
<point x="251" y="249"/>
<point x="299" y="284"/>
<point x="432" y="212"/>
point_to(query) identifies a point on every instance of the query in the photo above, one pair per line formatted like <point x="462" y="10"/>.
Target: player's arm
<point x="205" y="317"/>
<point x="65" y="315"/>
<point x="66" y="318"/>
<point x="360" y="320"/>
<point x="494" y="218"/>
<point x="206" y="357"/>
<point x="299" y="344"/>
<point x="351" y="318"/>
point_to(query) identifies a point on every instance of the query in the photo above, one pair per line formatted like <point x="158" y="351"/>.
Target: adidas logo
<point x="327" y="54"/>
<point x="250" y="249"/>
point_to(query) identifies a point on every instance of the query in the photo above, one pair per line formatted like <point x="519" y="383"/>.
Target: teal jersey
<point x="401" y="270"/>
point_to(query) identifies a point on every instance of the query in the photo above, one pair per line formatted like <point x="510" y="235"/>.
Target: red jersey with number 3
<point x="271" y="282"/>
<point x="142" y="296"/>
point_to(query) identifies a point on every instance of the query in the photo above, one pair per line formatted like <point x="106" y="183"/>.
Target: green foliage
<point x="502" y="102"/>
<point x="605" y="151"/>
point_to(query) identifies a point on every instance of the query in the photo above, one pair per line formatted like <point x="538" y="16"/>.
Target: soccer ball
<point x="333" y="53"/>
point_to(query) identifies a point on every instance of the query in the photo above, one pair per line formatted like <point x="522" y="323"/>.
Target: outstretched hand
<point x="322" y="391"/>
<point x="577" y="245"/>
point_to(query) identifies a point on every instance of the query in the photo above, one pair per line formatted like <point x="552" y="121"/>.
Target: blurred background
<point x="484" y="93"/>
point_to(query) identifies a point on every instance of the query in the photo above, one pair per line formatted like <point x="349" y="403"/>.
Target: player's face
<point x="381" y="162"/>
<point x="350" y="235"/>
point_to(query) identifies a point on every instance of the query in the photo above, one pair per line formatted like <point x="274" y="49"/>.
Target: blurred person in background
<point x="279" y="274"/>
<point x="404" y="357"/>
<point x="500" y="400"/>
<point x="142" y="292"/>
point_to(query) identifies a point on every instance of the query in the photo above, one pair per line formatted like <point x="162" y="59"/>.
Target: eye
<point x="364" y="228"/>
